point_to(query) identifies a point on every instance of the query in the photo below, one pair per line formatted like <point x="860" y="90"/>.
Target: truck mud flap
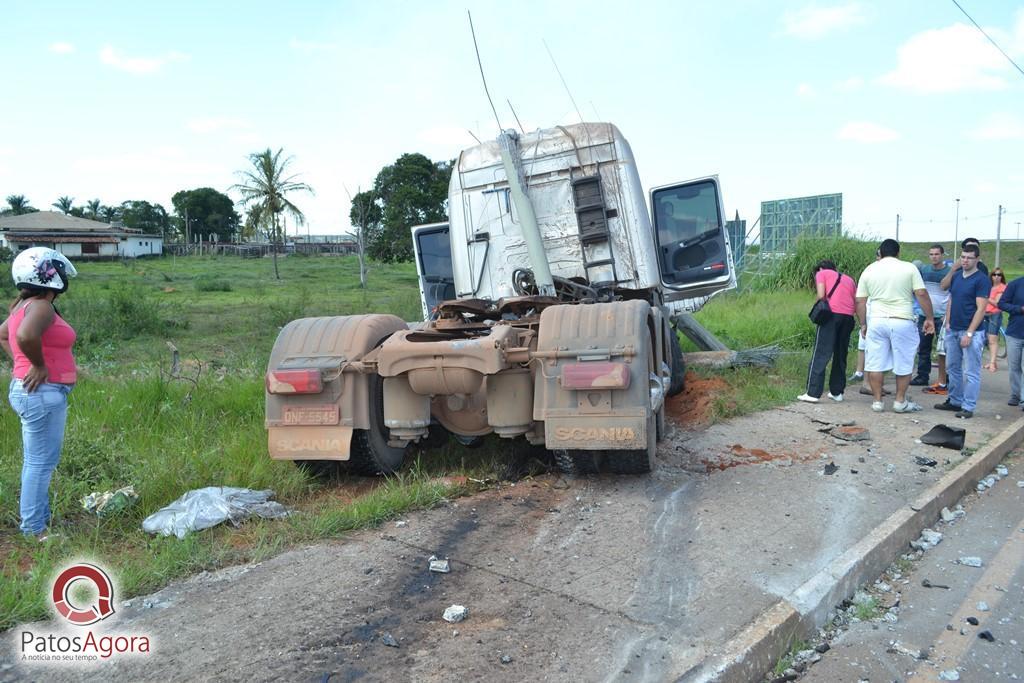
<point x="592" y="381"/>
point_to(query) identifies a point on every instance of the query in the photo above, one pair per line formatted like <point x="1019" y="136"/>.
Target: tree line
<point x="411" y="191"/>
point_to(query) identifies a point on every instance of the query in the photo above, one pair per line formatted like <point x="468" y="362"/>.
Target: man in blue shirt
<point x="968" y="295"/>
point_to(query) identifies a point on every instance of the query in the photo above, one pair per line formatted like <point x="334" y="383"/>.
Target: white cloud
<point x="446" y="136"/>
<point x="62" y="48"/>
<point x="811" y="22"/>
<point x="985" y="187"/>
<point x="310" y="47"/>
<point x="137" y="65"/>
<point x="866" y="132"/>
<point x="805" y="90"/>
<point x="999" y="126"/>
<point x="159" y="162"/>
<point x="850" y="84"/>
<point x="213" y="124"/>
<point x="947" y="60"/>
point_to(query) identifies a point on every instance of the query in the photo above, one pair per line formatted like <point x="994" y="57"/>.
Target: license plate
<point x="312" y="415"/>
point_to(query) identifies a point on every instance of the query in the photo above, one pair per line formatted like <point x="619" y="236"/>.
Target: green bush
<point x="122" y="312"/>
<point x="795" y="271"/>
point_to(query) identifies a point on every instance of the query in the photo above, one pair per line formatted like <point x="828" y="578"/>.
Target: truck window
<point x="692" y="251"/>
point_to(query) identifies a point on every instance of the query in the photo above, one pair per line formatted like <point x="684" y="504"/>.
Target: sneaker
<point x="907" y="406"/>
<point x="919" y="382"/>
<point x="1013" y="402"/>
<point x="877" y="406"/>
<point x="807" y="398"/>
<point x="946" y="405"/>
<point x="857" y="377"/>
<point x="965" y="414"/>
<point x="838" y="398"/>
<point x="937" y="388"/>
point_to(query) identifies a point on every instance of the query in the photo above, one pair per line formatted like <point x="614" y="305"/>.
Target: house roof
<point x="62" y="239"/>
<point x="52" y="221"/>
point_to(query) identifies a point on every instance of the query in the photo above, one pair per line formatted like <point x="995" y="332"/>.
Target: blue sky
<point x="902" y="106"/>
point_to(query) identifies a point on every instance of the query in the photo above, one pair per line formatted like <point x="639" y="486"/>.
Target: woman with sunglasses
<point x="994" y="316"/>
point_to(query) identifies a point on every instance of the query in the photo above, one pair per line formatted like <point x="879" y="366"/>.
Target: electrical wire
<point x="1008" y="58"/>
<point x="481" y="65"/>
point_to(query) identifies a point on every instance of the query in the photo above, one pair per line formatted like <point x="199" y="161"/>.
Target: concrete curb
<point x="752" y="652"/>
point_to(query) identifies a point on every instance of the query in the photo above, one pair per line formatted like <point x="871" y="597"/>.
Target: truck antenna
<point x="480" y="64"/>
<point x="516" y="116"/>
<point x="564" y="84"/>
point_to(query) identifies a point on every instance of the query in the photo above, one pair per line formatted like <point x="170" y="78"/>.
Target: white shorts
<point x="891" y="345"/>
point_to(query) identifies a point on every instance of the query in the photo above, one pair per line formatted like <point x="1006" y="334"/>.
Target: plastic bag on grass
<point x="203" y="508"/>
<point x="110" y="502"/>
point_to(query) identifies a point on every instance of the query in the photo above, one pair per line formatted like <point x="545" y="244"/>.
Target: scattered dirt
<point x="692" y="408"/>
<point x="740" y="455"/>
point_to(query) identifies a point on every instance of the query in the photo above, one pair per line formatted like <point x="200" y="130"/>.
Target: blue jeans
<point x="963" y="367"/>
<point x="43" y="414"/>
<point x="1014" y="350"/>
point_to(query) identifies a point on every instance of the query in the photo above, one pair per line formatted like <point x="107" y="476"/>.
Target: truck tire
<point x="319" y="469"/>
<point x="370" y="453"/>
<point x="678" y="381"/>
<point x="577" y="463"/>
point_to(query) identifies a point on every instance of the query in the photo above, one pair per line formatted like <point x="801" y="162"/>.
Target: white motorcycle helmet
<point x="42" y="268"/>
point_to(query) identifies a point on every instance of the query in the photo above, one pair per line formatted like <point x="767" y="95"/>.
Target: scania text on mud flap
<point x="548" y="300"/>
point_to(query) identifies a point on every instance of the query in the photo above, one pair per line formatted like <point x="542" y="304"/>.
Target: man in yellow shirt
<point x="892" y="339"/>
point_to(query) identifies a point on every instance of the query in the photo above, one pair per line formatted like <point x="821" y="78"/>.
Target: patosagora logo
<point x="104" y="606"/>
<point x="73" y="638"/>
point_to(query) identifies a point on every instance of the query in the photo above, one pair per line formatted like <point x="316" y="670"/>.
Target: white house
<point x="76" y="237"/>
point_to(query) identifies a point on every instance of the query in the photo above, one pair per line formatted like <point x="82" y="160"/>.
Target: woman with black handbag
<point x="833" y="313"/>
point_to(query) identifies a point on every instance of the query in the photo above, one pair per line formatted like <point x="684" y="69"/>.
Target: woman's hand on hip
<point x="36" y="375"/>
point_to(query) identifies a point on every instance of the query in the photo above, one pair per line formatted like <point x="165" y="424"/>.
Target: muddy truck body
<point x="548" y="303"/>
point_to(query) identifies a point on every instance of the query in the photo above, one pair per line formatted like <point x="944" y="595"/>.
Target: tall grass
<point x="796" y="270"/>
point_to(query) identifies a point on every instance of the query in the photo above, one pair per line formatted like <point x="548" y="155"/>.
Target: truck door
<point x="433" y="265"/>
<point x="689" y="230"/>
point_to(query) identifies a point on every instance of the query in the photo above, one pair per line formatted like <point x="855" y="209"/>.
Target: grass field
<point x="131" y="423"/>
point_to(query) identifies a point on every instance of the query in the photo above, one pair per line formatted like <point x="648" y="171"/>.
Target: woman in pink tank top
<point x="39" y="342"/>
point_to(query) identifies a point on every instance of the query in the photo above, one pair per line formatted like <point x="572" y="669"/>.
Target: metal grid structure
<point x="737" y="231"/>
<point x="784" y="221"/>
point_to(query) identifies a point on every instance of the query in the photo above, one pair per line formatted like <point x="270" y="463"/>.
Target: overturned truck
<point x="548" y="303"/>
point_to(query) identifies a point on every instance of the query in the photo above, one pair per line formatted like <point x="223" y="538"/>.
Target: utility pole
<point x="999" y="230"/>
<point x="1018" y="231"/>
<point x="897" y="227"/>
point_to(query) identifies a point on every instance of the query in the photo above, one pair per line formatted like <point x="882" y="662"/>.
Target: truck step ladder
<point x="592" y="220"/>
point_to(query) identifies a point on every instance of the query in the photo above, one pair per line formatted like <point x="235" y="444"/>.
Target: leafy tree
<point x="208" y="211"/>
<point x="64" y="204"/>
<point x="110" y="213"/>
<point x="152" y="219"/>
<point x="267" y="185"/>
<point x="92" y="209"/>
<point x="411" y="191"/>
<point x="18" y="205"/>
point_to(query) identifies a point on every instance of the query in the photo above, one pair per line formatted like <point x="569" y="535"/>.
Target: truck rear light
<point x="595" y="375"/>
<point x="294" y="382"/>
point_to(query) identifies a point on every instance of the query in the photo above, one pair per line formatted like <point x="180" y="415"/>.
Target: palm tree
<point x="18" y="205"/>
<point x="110" y="213"/>
<point x="266" y="185"/>
<point x="92" y="208"/>
<point x="64" y="204"/>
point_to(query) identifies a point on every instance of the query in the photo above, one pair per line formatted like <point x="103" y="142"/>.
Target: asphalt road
<point x="607" y="578"/>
